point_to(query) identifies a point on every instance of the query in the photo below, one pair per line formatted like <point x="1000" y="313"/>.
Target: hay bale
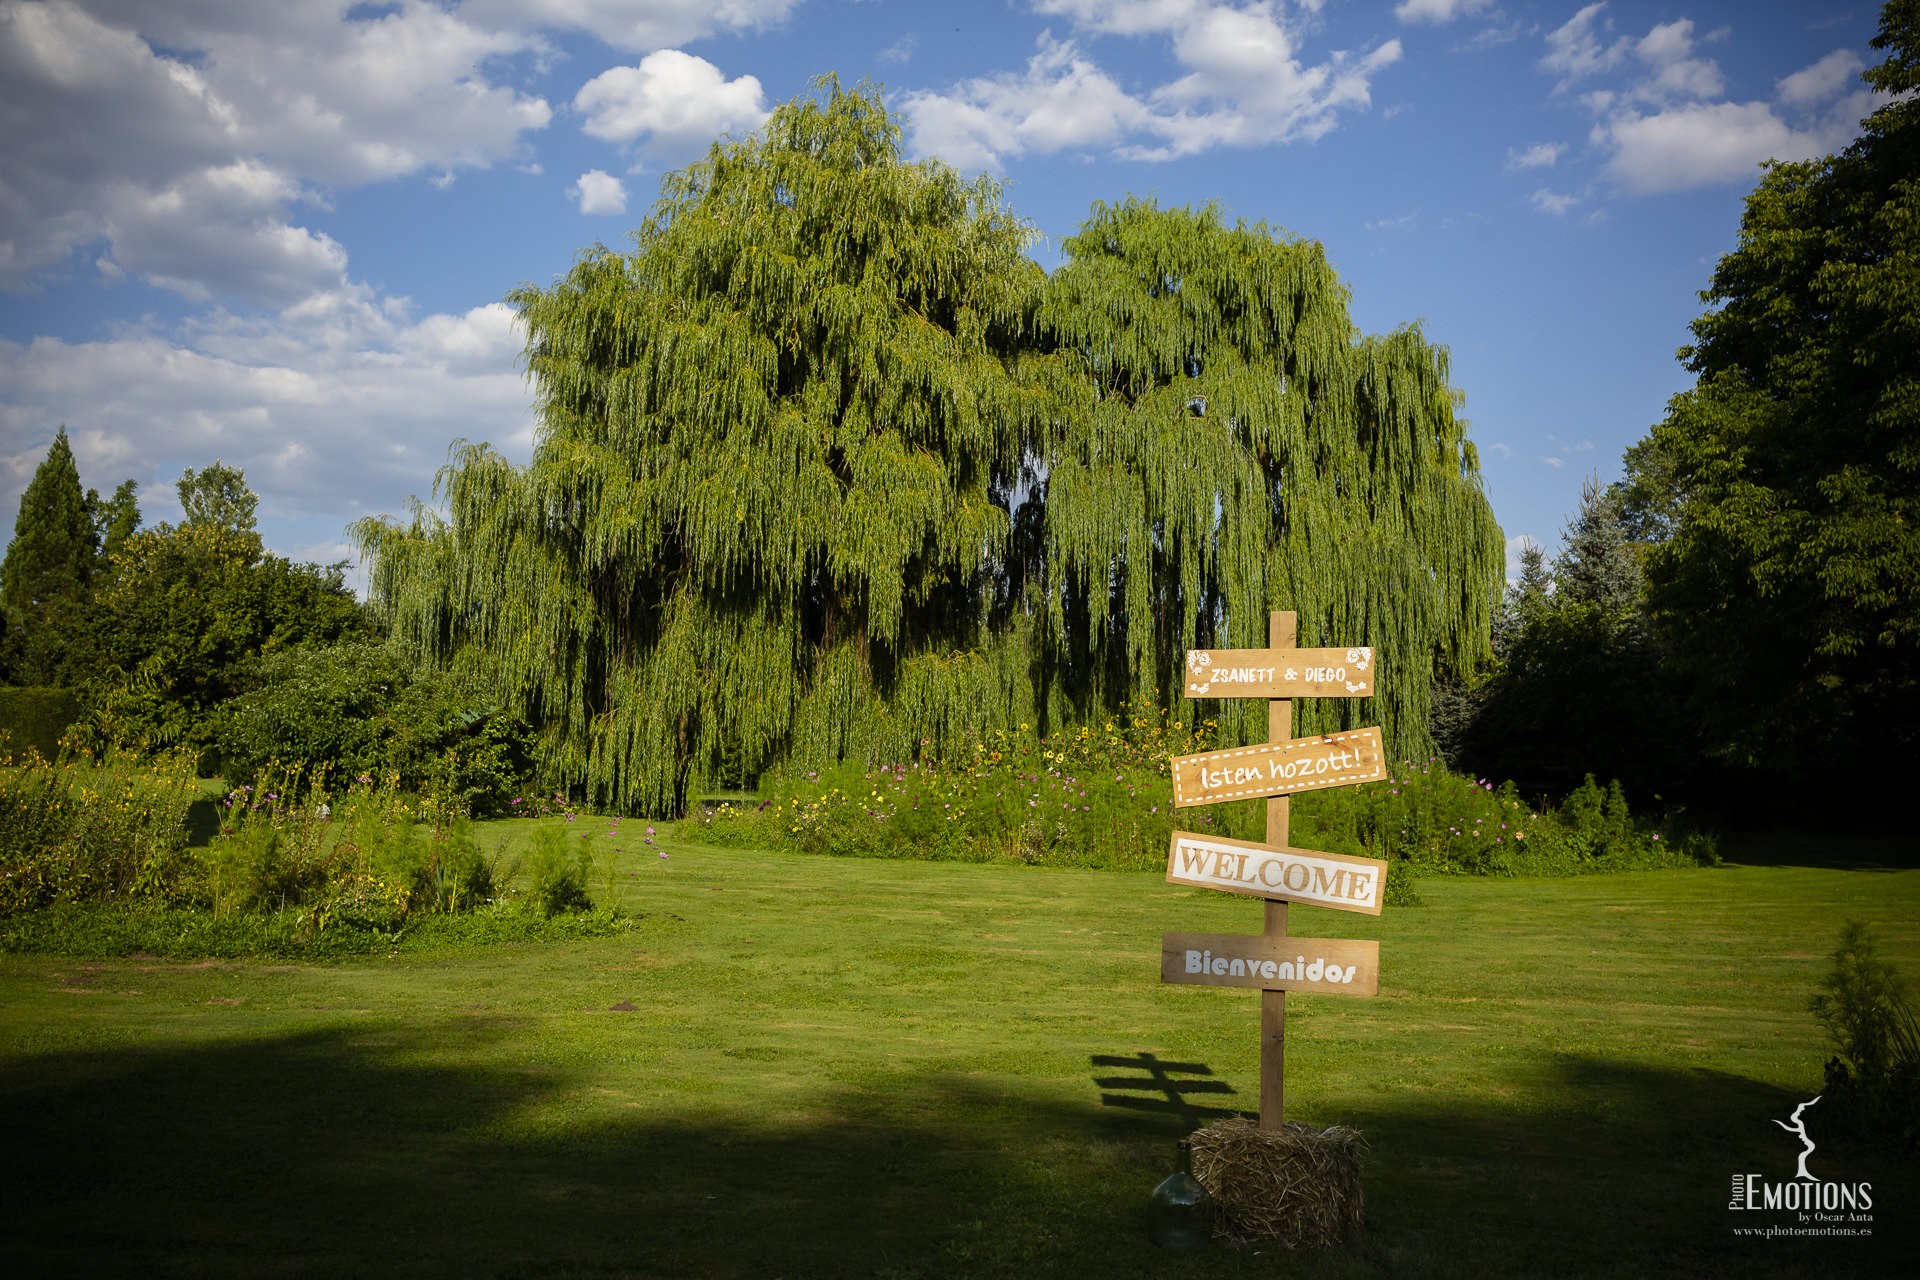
<point x="1296" y="1185"/>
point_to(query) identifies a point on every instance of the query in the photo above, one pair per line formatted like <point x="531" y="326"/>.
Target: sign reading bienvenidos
<point x="1288" y="875"/>
<point x="1343" y="967"/>
<point x="1279" y="673"/>
<point x="1279" y="768"/>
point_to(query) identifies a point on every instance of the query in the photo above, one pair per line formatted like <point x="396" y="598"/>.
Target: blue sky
<point x="278" y="234"/>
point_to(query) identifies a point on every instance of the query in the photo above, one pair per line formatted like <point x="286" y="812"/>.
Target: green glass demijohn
<point x="1180" y="1212"/>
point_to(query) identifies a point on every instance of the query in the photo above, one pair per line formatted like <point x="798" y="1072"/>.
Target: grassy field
<point x="820" y="1067"/>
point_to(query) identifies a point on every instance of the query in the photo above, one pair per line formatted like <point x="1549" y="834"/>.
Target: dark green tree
<point x="828" y="468"/>
<point x="1789" y="589"/>
<point x="48" y="571"/>
<point x="761" y="516"/>
<point x="1580" y="687"/>
<point x="182" y="610"/>
<point x="361" y="708"/>
<point x="1234" y="445"/>
<point x="217" y="498"/>
<point x="115" y="519"/>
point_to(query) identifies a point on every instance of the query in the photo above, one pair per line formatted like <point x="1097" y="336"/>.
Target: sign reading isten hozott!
<point x="1287" y="875"/>
<point x="1278" y="768"/>
<point x="1346" y="967"/>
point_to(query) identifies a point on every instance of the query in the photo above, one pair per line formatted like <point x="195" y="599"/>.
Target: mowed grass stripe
<point x="808" y="1066"/>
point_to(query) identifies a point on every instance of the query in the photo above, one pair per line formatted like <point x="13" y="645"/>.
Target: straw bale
<point x="1296" y="1185"/>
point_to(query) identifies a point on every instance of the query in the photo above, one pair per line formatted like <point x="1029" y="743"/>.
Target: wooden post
<point x="1281" y="633"/>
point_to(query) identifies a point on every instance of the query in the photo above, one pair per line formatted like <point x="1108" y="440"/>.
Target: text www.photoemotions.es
<point x="1820" y="1208"/>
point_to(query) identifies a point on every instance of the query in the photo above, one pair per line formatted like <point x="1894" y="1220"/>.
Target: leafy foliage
<point x="1790" y="474"/>
<point x="1101" y="797"/>
<point x="360" y="708"/>
<point x="91" y="828"/>
<point x="1581" y="682"/>
<point x="829" y="470"/>
<point x="1232" y="446"/>
<point x="182" y="611"/>
<point x="34" y="719"/>
<point x="1868" y="1011"/>
<point x="760" y="500"/>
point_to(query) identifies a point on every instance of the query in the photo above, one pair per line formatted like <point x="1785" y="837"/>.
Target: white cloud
<point x="1244" y="85"/>
<point x="1821" y="81"/>
<point x="599" y="192"/>
<point x="187" y="167"/>
<point x="1665" y="125"/>
<point x="1553" y="202"/>
<point x="384" y="394"/>
<point x="671" y="103"/>
<point x="1701" y="144"/>
<point x="900" y="50"/>
<point x="223" y="231"/>
<point x="1402" y="223"/>
<point x="1437" y="11"/>
<point x="1541" y="155"/>
<point x="1575" y="49"/>
<point x="1674" y="73"/>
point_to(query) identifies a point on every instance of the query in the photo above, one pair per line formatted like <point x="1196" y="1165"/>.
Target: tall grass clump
<point x="1873" y="1079"/>
<point x="375" y="856"/>
<point x="92" y="827"/>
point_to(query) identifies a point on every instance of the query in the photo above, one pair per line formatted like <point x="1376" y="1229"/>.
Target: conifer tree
<point x="49" y="564"/>
<point x="1597" y="563"/>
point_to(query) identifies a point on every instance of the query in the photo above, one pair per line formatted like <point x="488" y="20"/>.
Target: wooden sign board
<point x="1278" y="768"/>
<point x="1280" y="673"/>
<point x="1287" y="875"/>
<point x="1340" y="967"/>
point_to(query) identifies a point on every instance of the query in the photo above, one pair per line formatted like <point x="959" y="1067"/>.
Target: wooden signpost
<point x="1273" y="961"/>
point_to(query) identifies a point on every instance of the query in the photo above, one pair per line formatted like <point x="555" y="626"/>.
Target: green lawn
<point x="819" y="1067"/>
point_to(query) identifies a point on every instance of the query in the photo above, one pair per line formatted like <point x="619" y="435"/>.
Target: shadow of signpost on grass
<point x="461" y="1146"/>
<point x="1156" y="1090"/>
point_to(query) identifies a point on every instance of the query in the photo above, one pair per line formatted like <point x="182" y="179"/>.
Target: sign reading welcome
<point x="1290" y="875"/>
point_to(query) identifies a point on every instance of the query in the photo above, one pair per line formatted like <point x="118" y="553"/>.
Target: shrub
<point x="1103" y="798"/>
<point x="36" y="719"/>
<point x="1091" y="796"/>
<point x="360" y="708"/>
<point x="556" y="869"/>
<point x="1873" y="1080"/>
<point x="92" y="828"/>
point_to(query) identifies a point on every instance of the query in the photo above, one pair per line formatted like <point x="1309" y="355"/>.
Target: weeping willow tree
<point x="828" y="468"/>
<point x="766" y="508"/>
<point x="1240" y="447"/>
